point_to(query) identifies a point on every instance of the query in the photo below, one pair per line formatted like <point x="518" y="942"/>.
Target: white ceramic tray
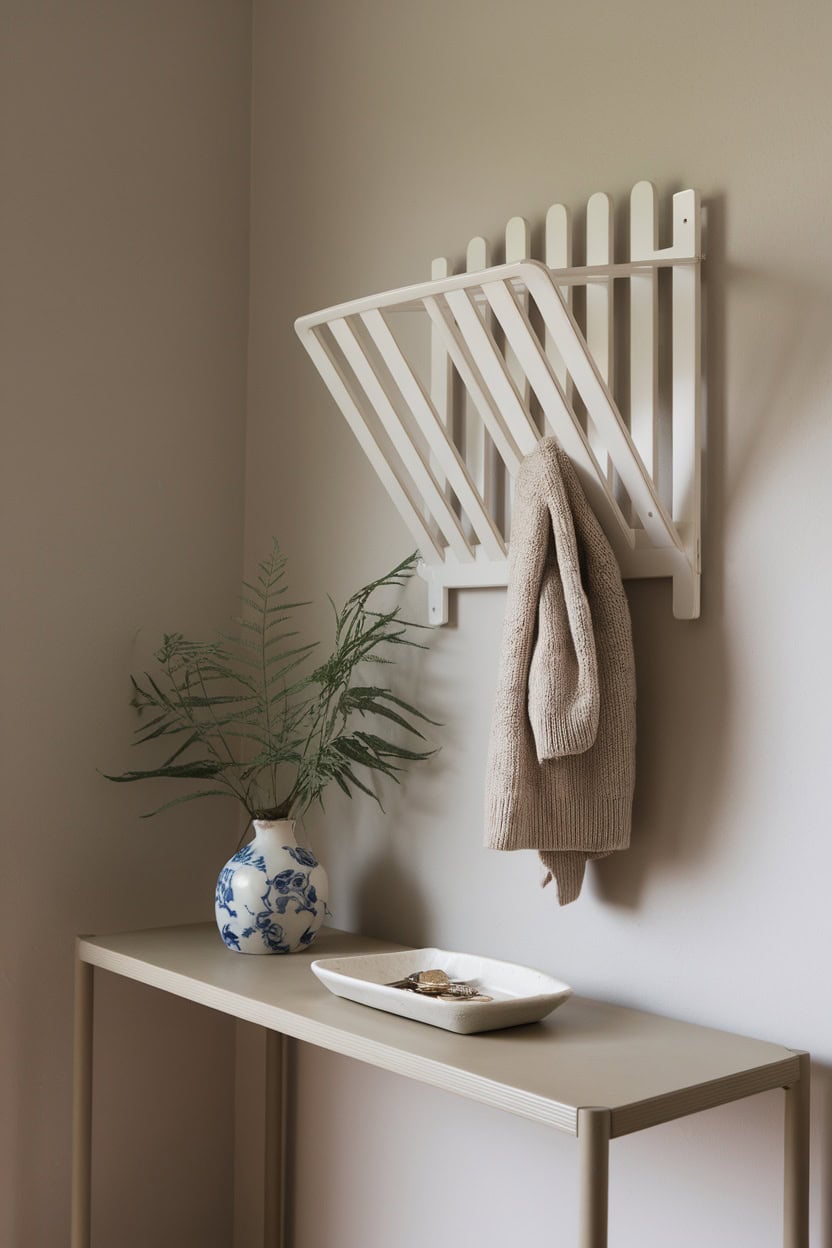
<point x="520" y="995"/>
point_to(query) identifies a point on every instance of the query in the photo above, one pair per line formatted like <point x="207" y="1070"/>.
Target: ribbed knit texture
<point x="561" y="767"/>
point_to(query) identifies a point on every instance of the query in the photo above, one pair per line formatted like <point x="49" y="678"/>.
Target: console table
<point x="592" y="1070"/>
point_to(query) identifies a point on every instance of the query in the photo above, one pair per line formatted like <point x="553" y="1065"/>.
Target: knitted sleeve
<point x="563" y="685"/>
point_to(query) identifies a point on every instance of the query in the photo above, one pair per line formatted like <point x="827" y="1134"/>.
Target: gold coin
<point x="433" y="978"/>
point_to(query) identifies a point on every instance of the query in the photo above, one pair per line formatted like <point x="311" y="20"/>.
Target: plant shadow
<point x="389" y="902"/>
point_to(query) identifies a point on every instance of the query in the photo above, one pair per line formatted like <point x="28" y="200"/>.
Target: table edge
<point x="375" y="1053"/>
<point x="624" y="1119"/>
<point x="627" y="1119"/>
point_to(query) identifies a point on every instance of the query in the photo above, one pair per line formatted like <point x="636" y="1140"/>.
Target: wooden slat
<point x="445" y="326"/>
<point x="474" y="433"/>
<point x="601" y="409"/>
<point x="494" y="370"/>
<point x="409" y="453"/>
<point x="599" y="333"/>
<point x="644" y="296"/>
<point x="530" y="354"/>
<point x="407" y="298"/>
<point x="558" y="255"/>
<point x="336" y="382"/>
<point x="476" y="255"/>
<point x="478" y="575"/>
<point x="687" y="367"/>
<point x="584" y="274"/>
<point x="441" y="371"/>
<point x="518" y="247"/>
<point x="437" y="435"/>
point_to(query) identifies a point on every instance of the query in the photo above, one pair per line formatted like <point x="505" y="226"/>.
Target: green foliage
<point x="241" y="713"/>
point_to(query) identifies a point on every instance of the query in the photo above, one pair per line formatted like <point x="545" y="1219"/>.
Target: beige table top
<point x="644" y="1068"/>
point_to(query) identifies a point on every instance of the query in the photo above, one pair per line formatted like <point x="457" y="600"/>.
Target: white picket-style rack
<point x="512" y="355"/>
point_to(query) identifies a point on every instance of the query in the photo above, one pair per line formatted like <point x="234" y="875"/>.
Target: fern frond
<point x="188" y="797"/>
<point x="252" y="712"/>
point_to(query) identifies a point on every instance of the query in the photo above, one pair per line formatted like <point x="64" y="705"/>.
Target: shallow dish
<point x="520" y="995"/>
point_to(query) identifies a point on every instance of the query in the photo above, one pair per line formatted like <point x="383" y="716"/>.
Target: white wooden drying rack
<point x="513" y="357"/>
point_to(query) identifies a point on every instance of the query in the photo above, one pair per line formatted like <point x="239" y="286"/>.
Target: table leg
<point x="82" y="1105"/>
<point x="796" y="1190"/>
<point x="594" y="1149"/>
<point x="276" y="1210"/>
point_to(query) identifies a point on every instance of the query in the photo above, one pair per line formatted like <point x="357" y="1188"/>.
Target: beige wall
<point x="385" y="134"/>
<point x="124" y="145"/>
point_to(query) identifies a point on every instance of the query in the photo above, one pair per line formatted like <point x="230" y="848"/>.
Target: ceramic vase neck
<point x="275" y="832"/>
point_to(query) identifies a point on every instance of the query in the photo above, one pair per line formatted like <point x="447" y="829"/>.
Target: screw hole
<point x="650" y="514"/>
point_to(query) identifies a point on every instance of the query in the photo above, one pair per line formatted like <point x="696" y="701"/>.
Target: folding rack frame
<point x="513" y="356"/>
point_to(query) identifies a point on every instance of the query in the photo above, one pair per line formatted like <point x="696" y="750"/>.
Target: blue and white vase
<point x="271" y="896"/>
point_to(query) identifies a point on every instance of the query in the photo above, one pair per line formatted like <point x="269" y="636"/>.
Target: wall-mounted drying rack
<point x="513" y="355"/>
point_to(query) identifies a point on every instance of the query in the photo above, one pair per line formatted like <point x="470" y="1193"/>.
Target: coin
<point x="461" y="990"/>
<point x="455" y="996"/>
<point x="437" y="984"/>
<point x="433" y="978"/>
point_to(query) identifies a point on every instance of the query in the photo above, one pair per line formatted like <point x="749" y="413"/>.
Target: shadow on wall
<point x="793" y="325"/>
<point x="683" y="675"/>
<point x="389" y="899"/>
<point x="685" y="727"/>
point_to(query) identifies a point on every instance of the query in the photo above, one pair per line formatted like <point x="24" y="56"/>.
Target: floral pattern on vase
<point x="271" y="896"/>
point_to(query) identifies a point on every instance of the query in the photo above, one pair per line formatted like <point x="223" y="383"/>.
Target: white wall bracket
<point x="510" y="359"/>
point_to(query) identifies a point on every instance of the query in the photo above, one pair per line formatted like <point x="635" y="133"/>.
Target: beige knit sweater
<point x="561" y="766"/>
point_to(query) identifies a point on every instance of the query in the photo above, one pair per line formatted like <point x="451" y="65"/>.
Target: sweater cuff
<point x="572" y="731"/>
<point x="583" y="822"/>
